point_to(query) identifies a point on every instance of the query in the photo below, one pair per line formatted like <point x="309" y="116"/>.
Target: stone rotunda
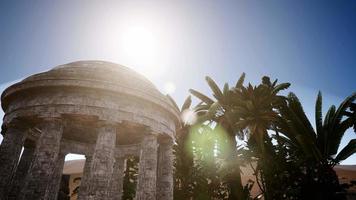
<point x="102" y="110"/>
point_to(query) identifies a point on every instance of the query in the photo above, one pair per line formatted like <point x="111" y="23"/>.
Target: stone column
<point x="116" y="184"/>
<point x="165" y="171"/>
<point x="22" y="169"/>
<point x="147" y="173"/>
<point x="10" y="151"/>
<point x="43" y="165"/>
<point x="103" y="162"/>
<point x="53" y="188"/>
<point x="84" y="183"/>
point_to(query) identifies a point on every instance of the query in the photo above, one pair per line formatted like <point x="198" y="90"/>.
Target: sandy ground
<point x="346" y="173"/>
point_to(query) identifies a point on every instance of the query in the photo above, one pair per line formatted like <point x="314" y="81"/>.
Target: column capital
<point x="29" y="144"/>
<point x="48" y="123"/>
<point x="105" y="123"/>
<point x="19" y="123"/>
<point x="62" y="153"/>
<point x="50" y="119"/>
<point x="149" y="139"/>
<point x="164" y="140"/>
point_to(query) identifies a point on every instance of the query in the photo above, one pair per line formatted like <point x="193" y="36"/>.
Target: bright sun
<point x="140" y="46"/>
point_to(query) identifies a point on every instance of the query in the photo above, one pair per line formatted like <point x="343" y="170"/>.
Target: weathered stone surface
<point x="103" y="89"/>
<point x="147" y="173"/>
<point x="116" y="183"/>
<point x="102" y="164"/>
<point x="84" y="185"/>
<point x="43" y="165"/>
<point x="10" y="151"/>
<point x="85" y="95"/>
<point x="165" y="172"/>
<point x="21" y="170"/>
<point x="53" y="188"/>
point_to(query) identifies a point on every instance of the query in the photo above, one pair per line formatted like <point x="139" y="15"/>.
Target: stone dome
<point x="105" y="90"/>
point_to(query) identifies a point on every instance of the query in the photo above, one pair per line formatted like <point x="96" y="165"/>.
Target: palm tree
<point x="320" y="144"/>
<point x="318" y="148"/>
<point x="257" y="108"/>
<point x="195" y="175"/>
<point x="183" y="164"/>
<point x="220" y="111"/>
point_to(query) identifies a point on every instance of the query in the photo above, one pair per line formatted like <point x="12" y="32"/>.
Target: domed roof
<point x="96" y="71"/>
<point x="99" y="75"/>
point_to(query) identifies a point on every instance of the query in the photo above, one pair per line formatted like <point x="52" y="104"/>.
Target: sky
<point x="310" y="44"/>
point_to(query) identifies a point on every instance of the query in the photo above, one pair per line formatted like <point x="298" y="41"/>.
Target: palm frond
<point x="214" y="108"/>
<point x="318" y="114"/>
<point x="201" y="96"/>
<point x="187" y="103"/>
<point x="347" y="151"/>
<point x="329" y="116"/>
<point x="215" y="88"/>
<point x="337" y="127"/>
<point x="241" y="80"/>
<point x="297" y="107"/>
<point x="338" y="133"/>
<point x="343" y="107"/>
<point x="322" y="135"/>
<point x="280" y="87"/>
<point x="274" y="83"/>
<point x="266" y="81"/>
<point x="226" y="89"/>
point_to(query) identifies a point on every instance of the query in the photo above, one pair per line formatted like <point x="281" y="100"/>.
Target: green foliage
<point x="320" y="145"/>
<point x="290" y="159"/>
<point x="220" y="111"/>
<point x="130" y="178"/>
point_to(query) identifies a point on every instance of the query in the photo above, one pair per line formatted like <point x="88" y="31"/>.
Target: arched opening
<point x="71" y="177"/>
<point x="130" y="178"/>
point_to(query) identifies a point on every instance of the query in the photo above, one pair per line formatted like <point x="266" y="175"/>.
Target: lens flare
<point x="189" y="117"/>
<point x="208" y="142"/>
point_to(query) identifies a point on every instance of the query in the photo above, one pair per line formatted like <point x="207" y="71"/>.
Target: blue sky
<point x="311" y="44"/>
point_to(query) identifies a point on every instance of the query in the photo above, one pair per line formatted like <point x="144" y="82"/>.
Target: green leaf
<point x="280" y="87"/>
<point x="214" y="108"/>
<point x="266" y="81"/>
<point x="274" y="83"/>
<point x="239" y="83"/>
<point x="201" y="96"/>
<point x="226" y="89"/>
<point x="187" y="103"/>
<point x="318" y="114"/>
<point x="343" y="107"/>
<point x="303" y="120"/>
<point x="329" y="116"/>
<point x="347" y="151"/>
<point x="215" y="88"/>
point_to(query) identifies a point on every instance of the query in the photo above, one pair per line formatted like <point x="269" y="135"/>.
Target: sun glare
<point x="169" y="88"/>
<point x="140" y="46"/>
<point x="189" y="117"/>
